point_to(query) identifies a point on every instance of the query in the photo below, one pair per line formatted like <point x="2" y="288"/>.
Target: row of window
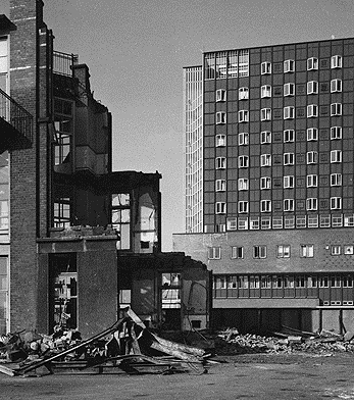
<point x="312" y="64"/>
<point x="336" y="109"/>
<point x="281" y="251"/>
<point x="336" y="86"/>
<point x="288" y="205"/>
<point x="288" y="159"/>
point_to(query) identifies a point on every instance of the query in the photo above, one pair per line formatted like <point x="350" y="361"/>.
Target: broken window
<point x="148" y="223"/>
<point x="121" y="219"/>
<point x="63" y="125"/>
<point x="3" y="295"/>
<point x="171" y="290"/>
<point x="62" y="212"/>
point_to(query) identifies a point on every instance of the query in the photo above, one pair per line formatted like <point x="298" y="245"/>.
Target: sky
<point x="136" y="51"/>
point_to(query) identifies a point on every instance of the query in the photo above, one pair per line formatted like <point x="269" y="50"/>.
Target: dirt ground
<point x="257" y="376"/>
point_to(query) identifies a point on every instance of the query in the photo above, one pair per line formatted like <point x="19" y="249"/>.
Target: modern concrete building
<point x="276" y="170"/>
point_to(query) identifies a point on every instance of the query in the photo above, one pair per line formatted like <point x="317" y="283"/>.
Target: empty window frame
<point x="335" y="203"/>
<point x="311" y="180"/>
<point x="259" y="251"/>
<point x="336" y="156"/>
<point x="312" y="87"/>
<point x="288" y="181"/>
<point x="266" y="114"/>
<point x="220" y="118"/>
<point x="336" y="85"/>
<point x="336" y="179"/>
<point x="336" y="61"/>
<point x="289" y="204"/>
<point x="312" y="111"/>
<point x="220" y="185"/>
<point x="243" y="207"/>
<point x="289" y="66"/>
<point x="214" y="253"/>
<point x="312" y="134"/>
<point x="220" y="163"/>
<point x="220" y="95"/>
<point x="243" y="93"/>
<point x="289" y="135"/>
<point x="311" y="157"/>
<point x="243" y="161"/>
<point x="236" y="252"/>
<point x="243" y="116"/>
<point x="306" y="250"/>
<point x="220" y="140"/>
<point x="266" y="91"/>
<point x="336" y="132"/>
<point x="266" y="206"/>
<point x="289" y="112"/>
<point x="243" y="184"/>
<point x="283" y="251"/>
<point x="312" y="63"/>
<point x="289" y="89"/>
<point x="266" y="137"/>
<point x="266" y="68"/>
<point x="289" y="158"/>
<point x="311" y="204"/>
<point x="243" y="139"/>
<point x="265" y="182"/>
<point x="336" y="109"/>
<point x="266" y="160"/>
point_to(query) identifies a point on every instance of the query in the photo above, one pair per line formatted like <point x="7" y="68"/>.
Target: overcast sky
<point x="136" y="51"/>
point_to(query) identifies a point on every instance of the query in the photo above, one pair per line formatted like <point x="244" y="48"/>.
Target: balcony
<point x="63" y="63"/>
<point x="16" y="125"/>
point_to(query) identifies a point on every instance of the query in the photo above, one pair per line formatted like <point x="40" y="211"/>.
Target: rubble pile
<point x="231" y="342"/>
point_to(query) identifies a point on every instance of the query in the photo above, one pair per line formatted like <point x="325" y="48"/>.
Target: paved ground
<point x="261" y="377"/>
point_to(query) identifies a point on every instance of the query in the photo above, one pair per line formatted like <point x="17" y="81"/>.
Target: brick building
<point x="66" y="219"/>
<point x="269" y="183"/>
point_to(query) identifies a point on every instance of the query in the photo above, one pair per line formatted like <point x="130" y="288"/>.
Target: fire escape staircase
<point x="16" y="125"/>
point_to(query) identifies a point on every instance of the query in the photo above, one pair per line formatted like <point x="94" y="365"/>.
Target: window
<point x="311" y="204"/>
<point x="289" y="135"/>
<point x="348" y="280"/>
<point x="266" y="91"/>
<point x="289" y="66"/>
<point x="243" y="93"/>
<point x="336" y="203"/>
<point x="266" y="160"/>
<point x="323" y="282"/>
<point x="336" y="109"/>
<point x="243" y="139"/>
<point x="266" y="68"/>
<point x="220" y="207"/>
<point x="283" y="251"/>
<point x="236" y="252"/>
<point x="266" y="206"/>
<point x="265" y="182"/>
<point x="336" y="156"/>
<point x="336" y="179"/>
<point x="254" y="223"/>
<point x="336" y="132"/>
<point x="121" y="204"/>
<point x="266" y="114"/>
<point x="254" y="282"/>
<point x="311" y="180"/>
<point x="312" y="111"/>
<point x="220" y="140"/>
<point x="243" y="116"/>
<point x="62" y="212"/>
<point x="288" y="181"/>
<point x="243" y="206"/>
<point x="336" y="85"/>
<point x="289" y="89"/>
<point x="266" y="137"/>
<point x="289" y="112"/>
<point x="277" y="282"/>
<point x="312" y="87"/>
<point x="243" y="184"/>
<point x="336" y="61"/>
<point x="335" y="250"/>
<point x="289" y="204"/>
<point x="266" y="282"/>
<point x="243" y="161"/>
<point x="312" y="63"/>
<point x="311" y="157"/>
<point x="63" y="130"/>
<point x="259" y="251"/>
<point x="220" y="163"/>
<point x="300" y="281"/>
<point x="312" y="282"/>
<point x="289" y="158"/>
<point x="220" y="95"/>
<point x="220" y="185"/>
<point x="312" y="134"/>
<point x="220" y="118"/>
<point x="306" y="250"/>
<point x="214" y="253"/>
<point x="231" y="224"/>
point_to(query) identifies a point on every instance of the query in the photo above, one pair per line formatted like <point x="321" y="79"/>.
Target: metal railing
<point x="16" y="115"/>
<point x="63" y="62"/>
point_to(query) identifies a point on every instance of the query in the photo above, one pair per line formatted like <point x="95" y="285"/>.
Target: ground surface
<point x="256" y="376"/>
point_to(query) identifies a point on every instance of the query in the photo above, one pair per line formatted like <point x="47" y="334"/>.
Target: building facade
<point x="278" y="215"/>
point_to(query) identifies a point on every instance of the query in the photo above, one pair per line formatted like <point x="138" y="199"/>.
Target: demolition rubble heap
<point x="127" y="346"/>
<point x="230" y="342"/>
